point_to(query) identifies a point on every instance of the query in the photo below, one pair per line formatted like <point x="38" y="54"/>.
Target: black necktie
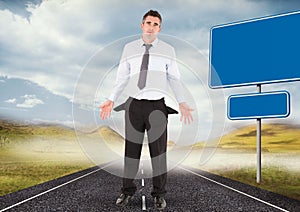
<point x="144" y="67"/>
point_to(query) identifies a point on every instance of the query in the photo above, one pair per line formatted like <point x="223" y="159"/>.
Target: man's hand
<point x="106" y="109"/>
<point x="186" y="114"/>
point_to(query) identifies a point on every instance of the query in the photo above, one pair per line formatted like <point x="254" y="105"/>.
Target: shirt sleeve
<point x="173" y="78"/>
<point x="122" y="79"/>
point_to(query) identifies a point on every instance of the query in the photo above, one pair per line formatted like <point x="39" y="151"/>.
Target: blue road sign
<point x="259" y="105"/>
<point x="258" y="51"/>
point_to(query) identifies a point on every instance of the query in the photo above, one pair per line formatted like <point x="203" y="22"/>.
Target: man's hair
<point x="153" y="13"/>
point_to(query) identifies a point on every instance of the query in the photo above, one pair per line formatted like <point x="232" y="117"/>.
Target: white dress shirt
<point x="162" y="71"/>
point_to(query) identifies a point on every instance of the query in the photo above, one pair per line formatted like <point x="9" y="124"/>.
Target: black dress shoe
<point x="123" y="199"/>
<point x="160" y="203"/>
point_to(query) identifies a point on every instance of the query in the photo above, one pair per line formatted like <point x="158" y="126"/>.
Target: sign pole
<point x="258" y="145"/>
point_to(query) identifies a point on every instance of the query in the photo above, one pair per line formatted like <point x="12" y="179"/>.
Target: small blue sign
<point x="258" y="51"/>
<point x="259" y="105"/>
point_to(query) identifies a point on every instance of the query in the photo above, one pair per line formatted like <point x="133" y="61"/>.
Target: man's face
<point x="151" y="27"/>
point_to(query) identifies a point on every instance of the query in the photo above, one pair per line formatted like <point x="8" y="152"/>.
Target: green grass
<point x="21" y="168"/>
<point x="17" y="176"/>
<point x="275" y="179"/>
<point x="33" y="154"/>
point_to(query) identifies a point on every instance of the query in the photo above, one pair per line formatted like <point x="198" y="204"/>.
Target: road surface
<point x="95" y="189"/>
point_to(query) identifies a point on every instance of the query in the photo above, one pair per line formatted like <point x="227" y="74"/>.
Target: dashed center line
<point x="143" y="182"/>
<point x="144" y="207"/>
<point x="144" y="203"/>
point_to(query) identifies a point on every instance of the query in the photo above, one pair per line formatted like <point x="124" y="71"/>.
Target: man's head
<point x="152" y="13"/>
<point x="151" y="25"/>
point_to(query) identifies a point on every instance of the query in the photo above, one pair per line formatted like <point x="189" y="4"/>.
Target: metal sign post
<point x="258" y="145"/>
<point x="257" y="106"/>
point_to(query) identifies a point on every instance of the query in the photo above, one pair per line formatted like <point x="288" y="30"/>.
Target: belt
<point x="147" y="100"/>
<point x="122" y="106"/>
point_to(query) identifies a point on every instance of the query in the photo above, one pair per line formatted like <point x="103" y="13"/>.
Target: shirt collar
<point x="154" y="43"/>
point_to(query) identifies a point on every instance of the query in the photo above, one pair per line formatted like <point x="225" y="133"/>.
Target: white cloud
<point x="60" y="36"/>
<point x="52" y="48"/>
<point x="12" y="101"/>
<point x="53" y="45"/>
<point x="30" y="101"/>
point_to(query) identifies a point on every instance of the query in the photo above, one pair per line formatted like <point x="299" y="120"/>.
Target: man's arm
<point x="173" y="77"/>
<point x="123" y="75"/>
<point x="122" y="79"/>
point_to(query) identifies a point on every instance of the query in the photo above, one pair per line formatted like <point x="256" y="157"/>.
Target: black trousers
<point x="150" y="116"/>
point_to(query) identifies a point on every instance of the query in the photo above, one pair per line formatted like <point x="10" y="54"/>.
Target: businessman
<point x="147" y="67"/>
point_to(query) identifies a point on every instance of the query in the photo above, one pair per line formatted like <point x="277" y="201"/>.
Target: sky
<point x="48" y="47"/>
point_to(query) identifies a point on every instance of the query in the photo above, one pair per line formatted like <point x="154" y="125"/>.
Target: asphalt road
<point x="188" y="190"/>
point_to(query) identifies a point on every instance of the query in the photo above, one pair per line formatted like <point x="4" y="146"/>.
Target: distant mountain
<point x="25" y="100"/>
<point x="20" y="131"/>
<point x="13" y="131"/>
<point x="110" y="134"/>
<point x="275" y="138"/>
<point x="107" y="132"/>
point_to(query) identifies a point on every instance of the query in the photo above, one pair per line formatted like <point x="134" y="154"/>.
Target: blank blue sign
<point x="259" y="105"/>
<point x="252" y="52"/>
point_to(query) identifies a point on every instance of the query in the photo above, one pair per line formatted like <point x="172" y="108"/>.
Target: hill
<point x="15" y="132"/>
<point x="275" y="138"/>
<point x="107" y="132"/>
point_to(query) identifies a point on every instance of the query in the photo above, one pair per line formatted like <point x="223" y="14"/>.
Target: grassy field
<point x="33" y="154"/>
<point x="282" y="175"/>
<point x="20" y="175"/>
<point x="275" y="179"/>
<point x="235" y="158"/>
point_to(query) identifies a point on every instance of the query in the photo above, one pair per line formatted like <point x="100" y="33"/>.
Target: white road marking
<point x="54" y="188"/>
<point x="240" y="192"/>
<point x="143" y="182"/>
<point x="144" y="203"/>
